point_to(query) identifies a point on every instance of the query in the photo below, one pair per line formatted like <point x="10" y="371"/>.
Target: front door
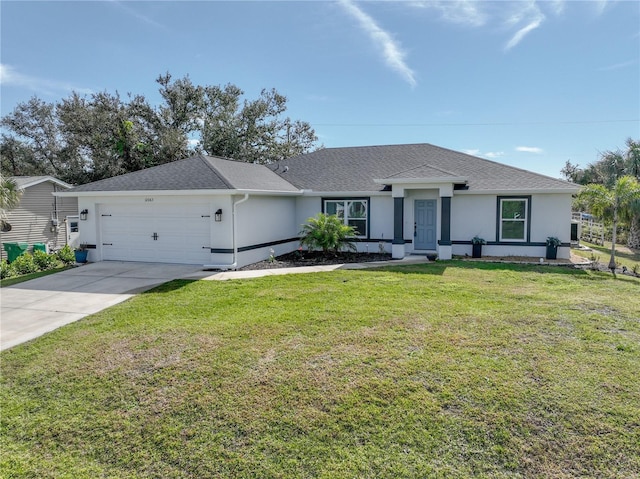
<point x="425" y="225"/>
<point x="73" y="231"/>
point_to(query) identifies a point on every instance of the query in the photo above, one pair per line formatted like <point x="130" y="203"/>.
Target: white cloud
<point x="9" y="76"/>
<point x="390" y="50"/>
<point x="488" y="154"/>
<point x="532" y="18"/>
<point x="464" y="12"/>
<point x="618" y="66"/>
<point x="600" y="6"/>
<point x="529" y="149"/>
<point x="474" y="152"/>
<point x="136" y="14"/>
<point x="519" y="18"/>
<point x="557" y="6"/>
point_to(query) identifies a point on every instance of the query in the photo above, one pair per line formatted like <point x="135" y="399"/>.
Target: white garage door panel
<point x="183" y="233"/>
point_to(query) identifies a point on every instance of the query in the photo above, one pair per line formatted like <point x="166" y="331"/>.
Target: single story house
<point x="407" y="199"/>
<point x="41" y="217"/>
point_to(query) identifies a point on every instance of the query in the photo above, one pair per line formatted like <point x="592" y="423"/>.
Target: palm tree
<point x="632" y="158"/>
<point x="632" y="167"/>
<point x="619" y="201"/>
<point x="9" y="197"/>
<point x="328" y="233"/>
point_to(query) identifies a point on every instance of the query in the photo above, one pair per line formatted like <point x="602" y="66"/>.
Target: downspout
<point x="233" y="265"/>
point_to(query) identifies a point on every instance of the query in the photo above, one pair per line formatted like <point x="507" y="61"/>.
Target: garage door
<point x="156" y="233"/>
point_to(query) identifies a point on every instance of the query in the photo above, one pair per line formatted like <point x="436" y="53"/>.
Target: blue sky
<point x="531" y="84"/>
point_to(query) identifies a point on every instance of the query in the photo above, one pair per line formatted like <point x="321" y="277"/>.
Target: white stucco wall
<point x="266" y="219"/>
<point x="473" y="215"/>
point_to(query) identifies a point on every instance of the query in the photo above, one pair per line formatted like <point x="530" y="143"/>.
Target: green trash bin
<point x="39" y="247"/>
<point x="14" y="250"/>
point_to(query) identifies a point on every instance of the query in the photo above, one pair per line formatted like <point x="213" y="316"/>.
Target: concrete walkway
<point x="35" y="307"/>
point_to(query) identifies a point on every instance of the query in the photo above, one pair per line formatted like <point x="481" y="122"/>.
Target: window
<point x="352" y="212"/>
<point x="514" y="220"/>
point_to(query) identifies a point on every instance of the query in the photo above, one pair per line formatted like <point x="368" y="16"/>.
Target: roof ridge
<point x="422" y="166"/>
<point x="207" y="161"/>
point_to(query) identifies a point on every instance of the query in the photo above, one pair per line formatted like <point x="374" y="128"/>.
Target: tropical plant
<point x="620" y="201"/>
<point x="9" y="196"/>
<point x="553" y="241"/>
<point x="328" y="233"/>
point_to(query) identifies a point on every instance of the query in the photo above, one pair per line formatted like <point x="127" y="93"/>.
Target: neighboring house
<point x="408" y="198"/>
<point x="41" y="217"/>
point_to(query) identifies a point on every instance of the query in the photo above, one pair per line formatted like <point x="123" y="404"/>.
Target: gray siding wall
<point x="31" y="220"/>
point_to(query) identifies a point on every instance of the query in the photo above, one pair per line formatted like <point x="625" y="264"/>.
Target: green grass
<point x="624" y="256"/>
<point x="26" y="277"/>
<point x="452" y="369"/>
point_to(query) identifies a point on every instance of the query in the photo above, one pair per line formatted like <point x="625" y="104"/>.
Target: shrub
<point x="328" y="233"/>
<point x="66" y="255"/>
<point x="6" y="270"/>
<point x="24" y="264"/>
<point x="44" y="261"/>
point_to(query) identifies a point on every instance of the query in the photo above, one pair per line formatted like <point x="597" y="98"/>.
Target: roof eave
<point x="207" y="192"/>
<point x="413" y="181"/>
<point x="519" y="191"/>
<point x="345" y="193"/>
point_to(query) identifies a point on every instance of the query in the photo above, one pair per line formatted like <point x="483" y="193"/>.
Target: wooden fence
<point x="590" y="230"/>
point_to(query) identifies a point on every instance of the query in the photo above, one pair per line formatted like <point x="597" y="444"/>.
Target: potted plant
<point x="477" y="243"/>
<point x="552" y="247"/>
<point x="81" y="253"/>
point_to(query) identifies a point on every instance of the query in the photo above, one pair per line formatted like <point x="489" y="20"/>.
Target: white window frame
<point x="346" y="204"/>
<point x="524" y="220"/>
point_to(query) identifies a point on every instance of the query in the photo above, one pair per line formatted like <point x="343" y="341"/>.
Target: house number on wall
<point x="148" y="200"/>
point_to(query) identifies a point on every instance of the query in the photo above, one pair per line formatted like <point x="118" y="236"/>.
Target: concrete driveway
<point x="35" y="307"/>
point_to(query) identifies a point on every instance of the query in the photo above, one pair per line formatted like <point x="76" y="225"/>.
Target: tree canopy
<point x="611" y="166"/>
<point x="611" y="190"/>
<point x="87" y="138"/>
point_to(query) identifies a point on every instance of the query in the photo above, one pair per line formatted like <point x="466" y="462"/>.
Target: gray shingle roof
<point x="194" y="173"/>
<point x="356" y="168"/>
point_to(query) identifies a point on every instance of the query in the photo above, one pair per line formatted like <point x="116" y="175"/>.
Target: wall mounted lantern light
<point x="219" y="215"/>
<point x="83" y="214"/>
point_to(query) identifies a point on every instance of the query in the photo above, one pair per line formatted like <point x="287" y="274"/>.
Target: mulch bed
<point x="315" y="258"/>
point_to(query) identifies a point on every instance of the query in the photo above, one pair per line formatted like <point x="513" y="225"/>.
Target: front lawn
<point x="624" y="256"/>
<point x="452" y="369"/>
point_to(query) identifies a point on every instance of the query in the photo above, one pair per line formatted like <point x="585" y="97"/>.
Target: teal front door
<point x="425" y="225"/>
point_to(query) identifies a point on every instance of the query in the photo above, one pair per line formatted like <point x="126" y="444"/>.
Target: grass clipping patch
<point x="452" y="369"/>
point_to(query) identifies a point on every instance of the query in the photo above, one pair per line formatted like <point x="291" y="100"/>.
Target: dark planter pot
<point x="476" y="251"/>
<point x="81" y="256"/>
<point x="552" y="251"/>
